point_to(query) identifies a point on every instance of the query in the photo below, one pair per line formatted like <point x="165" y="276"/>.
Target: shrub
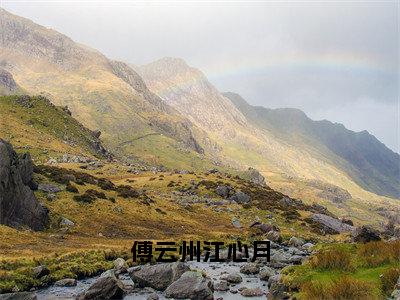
<point x="85" y="198"/>
<point x="342" y="288"/>
<point x="389" y="279"/>
<point x="127" y="191"/>
<point x="331" y="259"/>
<point x="378" y="253"/>
<point x="105" y="184"/>
<point x="96" y="194"/>
<point x="71" y="188"/>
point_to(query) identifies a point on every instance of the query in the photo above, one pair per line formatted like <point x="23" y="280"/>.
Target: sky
<point x="335" y="60"/>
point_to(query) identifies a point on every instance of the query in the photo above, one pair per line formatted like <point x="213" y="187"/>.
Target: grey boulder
<point x="191" y="285"/>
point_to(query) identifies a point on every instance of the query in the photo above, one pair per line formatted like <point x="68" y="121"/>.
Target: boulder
<point x="331" y="225"/>
<point x="49" y="188"/>
<point x="66" y="282"/>
<point x="234" y="278"/>
<point x="18" y="204"/>
<point x="223" y="191"/>
<point x="278" y="291"/>
<point x="221" y="286"/>
<point x="266" y="273"/>
<point x="365" y="234"/>
<point x="40" y="271"/>
<point x="296" y="242"/>
<point x="153" y="296"/>
<point x="273" y="236"/>
<point x="263" y="228"/>
<point x="120" y="266"/>
<point x="396" y="293"/>
<point x="252" y="292"/>
<point x="158" y="276"/>
<point x="18" y="296"/>
<point x="107" y="286"/>
<point x="240" y="197"/>
<point x="236" y="223"/>
<point x="250" y="268"/>
<point x="66" y="222"/>
<point x="191" y="285"/>
<point x="255" y="177"/>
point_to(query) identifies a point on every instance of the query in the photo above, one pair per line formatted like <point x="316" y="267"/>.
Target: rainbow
<point x="338" y="62"/>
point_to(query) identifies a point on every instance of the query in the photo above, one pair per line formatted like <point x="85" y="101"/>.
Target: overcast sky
<point x="334" y="60"/>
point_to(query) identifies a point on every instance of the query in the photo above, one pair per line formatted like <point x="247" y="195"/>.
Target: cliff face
<point x="18" y="204"/>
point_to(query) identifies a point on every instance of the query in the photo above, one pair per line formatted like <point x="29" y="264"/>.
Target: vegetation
<point x="347" y="271"/>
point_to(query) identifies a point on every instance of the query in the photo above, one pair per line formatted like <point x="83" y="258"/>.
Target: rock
<point x="250" y="268"/>
<point x="223" y="190"/>
<point x="221" y="286"/>
<point x="240" y="197"/>
<point x="266" y="273"/>
<point x="153" y="296"/>
<point x="191" y="285"/>
<point x="347" y="221"/>
<point x="107" y="286"/>
<point x="251" y="292"/>
<point x="296" y="242"/>
<point x="396" y="293"/>
<point x="51" y="197"/>
<point x="66" y="222"/>
<point x="120" y="266"/>
<point x="66" y="282"/>
<point x="7" y="81"/>
<point x="365" y="234"/>
<point x="18" y="296"/>
<point x="274" y="279"/>
<point x="255" y="176"/>
<point x="278" y="291"/>
<point x="18" y="204"/>
<point x="273" y="236"/>
<point x="49" y="188"/>
<point x="331" y="225"/>
<point x="236" y="223"/>
<point x="307" y="246"/>
<point x="40" y="271"/>
<point x="158" y="276"/>
<point x="263" y="228"/>
<point x="234" y="278"/>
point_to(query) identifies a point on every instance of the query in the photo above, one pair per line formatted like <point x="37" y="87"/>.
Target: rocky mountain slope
<point x="366" y="160"/>
<point x="104" y="95"/>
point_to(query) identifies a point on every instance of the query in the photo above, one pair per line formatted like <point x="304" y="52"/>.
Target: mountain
<point x="366" y="160"/>
<point x="103" y="94"/>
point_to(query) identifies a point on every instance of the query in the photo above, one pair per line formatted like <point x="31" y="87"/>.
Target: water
<point x="214" y="271"/>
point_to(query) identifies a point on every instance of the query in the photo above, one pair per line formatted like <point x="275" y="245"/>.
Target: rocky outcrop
<point x="158" y="276"/>
<point x="255" y="177"/>
<point x="331" y="225"/>
<point x="365" y="234"/>
<point x="7" y="82"/>
<point x="18" y="204"/>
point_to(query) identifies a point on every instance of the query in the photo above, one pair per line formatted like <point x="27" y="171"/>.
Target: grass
<point x="325" y="276"/>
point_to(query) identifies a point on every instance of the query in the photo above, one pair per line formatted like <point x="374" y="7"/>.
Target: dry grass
<point x="344" y="288"/>
<point x="332" y="259"/>
<point x="379" y="253"/>
<point x="389" y="279"/>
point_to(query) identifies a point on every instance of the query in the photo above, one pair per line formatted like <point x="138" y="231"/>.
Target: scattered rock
<point x="296" y="242"/>
<point x="107" y="286"/>
<point x="66" y="222"/>
<point x="191" y="285"/>
<point x="234" y="278"/>
<point x="266" y="273"/>
<point x="250" y="268"/>
<point x="49" y="188"/>
<point x="18" y="296"/>
<point x="158" y="276"/>
<point x="273" y="236"/>
<point x="365" y="234"/>
<point x="240" y="197"/>
<point x="252" y="292"/>
<point x="40" y="271"/>
<point x="66" y="282"/>
<point x="236" y="223"/>
<point x="120" y="266"/>
<point x="221" y="286"/>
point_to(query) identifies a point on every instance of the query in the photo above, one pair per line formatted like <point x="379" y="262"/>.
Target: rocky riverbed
<point x="192" y="279"/>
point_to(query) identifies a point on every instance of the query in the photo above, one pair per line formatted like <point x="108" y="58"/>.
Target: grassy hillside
<point x="34" y="124"/>
<point x="367" y="161"/>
